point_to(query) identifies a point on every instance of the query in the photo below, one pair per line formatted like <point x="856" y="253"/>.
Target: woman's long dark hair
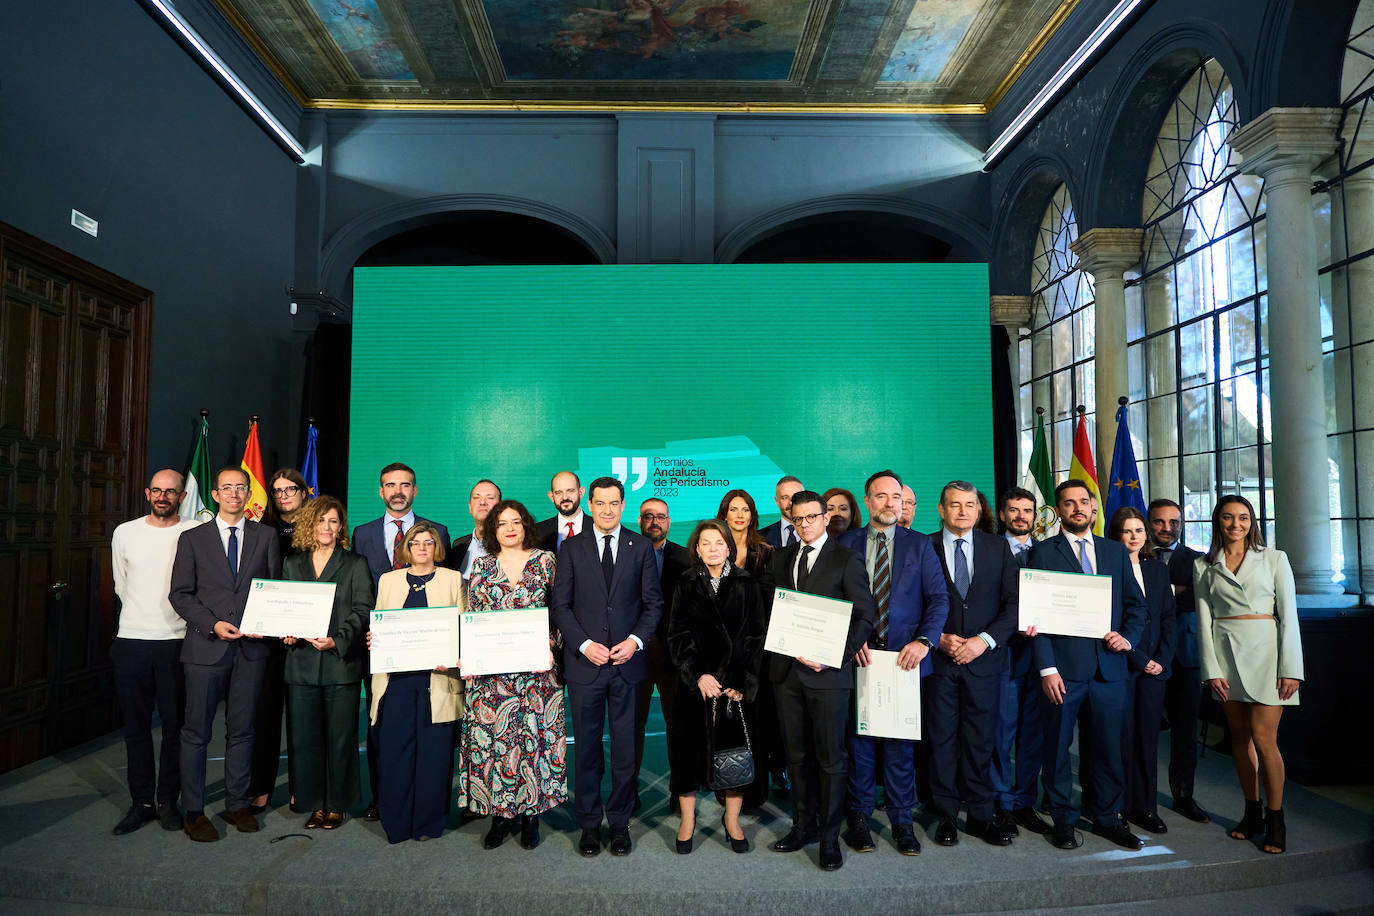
<point x="1254" y="538"/>
<point x="751" y="534"/>
<point x="1117" y="524"/>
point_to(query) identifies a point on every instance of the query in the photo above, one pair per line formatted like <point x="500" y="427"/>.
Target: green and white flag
<point x="1040" y="481"/>
<point x="196" y="503"/>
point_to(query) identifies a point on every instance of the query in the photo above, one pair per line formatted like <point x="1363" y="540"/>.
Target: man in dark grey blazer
<point x="214" y="568"/>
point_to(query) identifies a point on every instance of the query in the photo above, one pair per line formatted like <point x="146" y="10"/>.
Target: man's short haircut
<point x="397" y="466"/>
<point x="602" y="483"/>
<point x="1014" y="493"/>
<point x="807" y="496"/>
<point x="1069" y="485"/>
<point x="576" y="480"/>
<point x="1163" y="503"/>
<point x="482" y="481"/>
<point x="886" y="472"/>
<point x="963" y="486"/>
<point x="653" y="499"/>
<point x="787" y="479"/>
<point x="236" y="469"/>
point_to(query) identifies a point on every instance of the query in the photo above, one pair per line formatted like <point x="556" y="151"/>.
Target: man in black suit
<point x="814" y="701"/>
<point x="468" y="548"/>
<point x="962" y="694"/>
<point x="606" y="603"/>
<point x="671" y="560"/>
<point x="781" y="533"/>
<point x="565" y="492"/>
<point x="1078" y="673"/>
<point x="1183" y="689"/>
<point x="214" y="568"/>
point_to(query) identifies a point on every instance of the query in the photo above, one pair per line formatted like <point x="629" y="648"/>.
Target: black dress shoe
<point x="831" y="858"/>
<point x="371" y="813"/>
<point x="1148" y="820"/>
<point x="1062" y="836"/>
<point x="1026" y="817"/>
<point x="169" y="816"/>
<point x="858" y="836"/>
<point x="740" y="845"/>
<point x="1187" y="806"/>
<point x="1004" y="819"/>
<point x="136" y="817"/>
<point x="989" y="832"/>
<point x="1118" y="834"/>
<point x="947" y="834"/>
<point x="496" y="834"/>
<point x="795" y="839"/>
<point x="590" y="844"/>
<point x="905" y="838"/>
<point x="620" y="842"/>
<point x="529" y="831"/>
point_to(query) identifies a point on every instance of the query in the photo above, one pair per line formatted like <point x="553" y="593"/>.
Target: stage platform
<point x="57" y="855"/>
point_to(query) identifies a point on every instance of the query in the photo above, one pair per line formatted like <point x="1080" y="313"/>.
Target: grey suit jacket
<point x="204" y="593"/>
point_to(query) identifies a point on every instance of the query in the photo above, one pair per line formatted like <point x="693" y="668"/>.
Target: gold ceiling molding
<point x="705" y="107"/>
<point x="1034" y="48"/>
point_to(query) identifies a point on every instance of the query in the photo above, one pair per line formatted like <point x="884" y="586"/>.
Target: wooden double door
<point x="74" y="350"/>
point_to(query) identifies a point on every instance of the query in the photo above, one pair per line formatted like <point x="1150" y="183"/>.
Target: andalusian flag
<point x="310" y="465"/>
<point x="196" y="502"/>
<point x="1124" y="489"/>
<point x="1082" y="467"/>
<point x="256" y="508"/>
<point x="1040" y="482"/>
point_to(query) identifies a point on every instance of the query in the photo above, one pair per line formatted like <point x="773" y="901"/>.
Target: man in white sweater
<point x="147" y="653"/>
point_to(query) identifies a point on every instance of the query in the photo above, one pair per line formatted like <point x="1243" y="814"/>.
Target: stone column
<point x="1282" y="146"/>
<point x="1107" y="254"/>
<point x="1161" y="362"/>
<point x="1013" y="313"/>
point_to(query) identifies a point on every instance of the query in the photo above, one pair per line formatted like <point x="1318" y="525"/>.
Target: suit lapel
<point x="1061" y="543"/>
<point x="789" y="560"/>
<point x="937" y="544"/>
<point x="624" y="545"/>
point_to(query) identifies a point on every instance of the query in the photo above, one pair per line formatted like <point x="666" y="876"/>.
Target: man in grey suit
<point x="214" y="568"/>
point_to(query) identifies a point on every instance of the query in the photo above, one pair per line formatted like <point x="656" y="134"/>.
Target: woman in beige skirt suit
<point x="1250" y="654"/>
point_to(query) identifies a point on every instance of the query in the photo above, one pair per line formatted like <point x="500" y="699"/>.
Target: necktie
<point x="396" y="547"/>
<point x="570" y="531"/>
<point x="233" y="552"/>
<point x="607" y="561"/>
<point x="1022" y="554"/>
<point x="1083" y="556"/>
<point x="791" y="536"/>
<point x="882" y="589"/>
<point x="804" y="567"/>
<point x="960" y="568"/>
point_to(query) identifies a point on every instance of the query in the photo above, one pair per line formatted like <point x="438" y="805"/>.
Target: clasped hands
<point x="710" y="689"/>
<point x="962" y="649"/>
<point x="911" y="655"/>
<point x="618" y="654"/>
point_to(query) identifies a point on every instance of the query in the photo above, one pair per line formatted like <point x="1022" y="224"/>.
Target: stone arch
<point x="1300" y="54"/>
<point x="1018" y="219"/>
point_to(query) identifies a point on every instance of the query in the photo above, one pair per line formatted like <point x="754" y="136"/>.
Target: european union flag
<point x="310" y="465"/>
<point x="1124" y="487"/>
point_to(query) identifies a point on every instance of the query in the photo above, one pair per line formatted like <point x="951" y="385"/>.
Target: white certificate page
<point x="887" y="699"/>
<point x="505" y="641"/>
<point x="1065" y="604"/>
<point x="282" y="608"/>
<point x="808" y="626"/>
<point x="414" y="639"/>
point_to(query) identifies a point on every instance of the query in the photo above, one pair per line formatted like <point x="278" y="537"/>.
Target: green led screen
<point x="682" y="380"/>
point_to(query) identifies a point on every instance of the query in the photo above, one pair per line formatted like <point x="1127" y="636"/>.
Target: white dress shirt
<point x="816" y="546"/>
<point x="562" y="522"/>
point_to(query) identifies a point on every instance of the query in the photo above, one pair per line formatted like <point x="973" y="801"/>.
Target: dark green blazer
<point x="343" y="664"/>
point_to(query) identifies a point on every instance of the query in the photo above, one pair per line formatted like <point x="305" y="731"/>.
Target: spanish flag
<point x="256" y="510"/>
<point x="1081" y="467"/>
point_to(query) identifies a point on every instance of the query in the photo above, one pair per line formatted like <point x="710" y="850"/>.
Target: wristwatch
<point x="925" y="642"/>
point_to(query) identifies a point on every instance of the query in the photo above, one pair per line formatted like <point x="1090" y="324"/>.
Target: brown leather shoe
<point x="316" y="820"/>
<point x="333" y="820"/>
<point x="243" y="820"/>
<point x="200" y="829"/>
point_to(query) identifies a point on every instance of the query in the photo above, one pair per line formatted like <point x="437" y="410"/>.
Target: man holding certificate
<point x="1084" y="673"/>
<point x="813" y="699"/>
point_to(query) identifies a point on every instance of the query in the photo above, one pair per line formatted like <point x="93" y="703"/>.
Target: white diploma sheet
<point x="1065" y="604"/>
<point x="808" y="626"/>
<point x="505" y="641"/>
<point x="283" y="608"/>
<point x="414" y="639"/>
<point x="887" y="699"/>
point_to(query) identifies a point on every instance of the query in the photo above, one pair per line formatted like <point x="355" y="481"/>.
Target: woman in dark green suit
<point x="323" y="675"/>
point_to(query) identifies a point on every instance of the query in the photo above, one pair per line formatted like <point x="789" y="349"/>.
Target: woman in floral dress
<point x="512" y="763"/>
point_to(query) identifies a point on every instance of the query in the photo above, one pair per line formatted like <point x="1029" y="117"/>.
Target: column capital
<point x="1010" y="311"/>
<point x="1109" y="252"/>
<point x="1168" y="241"/>
<point x="1283" y="145"/>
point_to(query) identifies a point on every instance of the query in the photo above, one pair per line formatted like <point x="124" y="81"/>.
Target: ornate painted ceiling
<point x="809" y="55"/>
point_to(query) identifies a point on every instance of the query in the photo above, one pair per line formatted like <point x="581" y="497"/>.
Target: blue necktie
<point x="960" y="568"/>
<point x="1083" y="556"/>
<point x="233" y="552"/>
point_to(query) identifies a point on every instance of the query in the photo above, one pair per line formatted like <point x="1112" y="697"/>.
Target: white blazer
<point x="1263" y="585"/>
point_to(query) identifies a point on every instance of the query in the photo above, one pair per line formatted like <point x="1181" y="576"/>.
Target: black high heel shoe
<point x="1251" y="825"/>
<point x="1275" y="833"/>
<point x="740" y="845"/>
<point x="685" y="846"/>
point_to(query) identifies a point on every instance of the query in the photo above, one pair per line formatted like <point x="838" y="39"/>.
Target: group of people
<point x="631" y="611"/>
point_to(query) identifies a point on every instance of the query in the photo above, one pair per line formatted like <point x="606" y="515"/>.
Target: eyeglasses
<point x="426" y="545"/>
<point x="233" y="488"/>
<point x="807" y="519"/>
<point x="654" y="517"/>
<point x="158" y="491"/>
<point x="285" y="491"/>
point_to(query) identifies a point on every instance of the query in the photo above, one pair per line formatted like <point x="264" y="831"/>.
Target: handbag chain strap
<point x="743" y="724"/>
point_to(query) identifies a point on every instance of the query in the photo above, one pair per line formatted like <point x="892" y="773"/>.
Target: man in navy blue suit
<point x="911" y="602"/>
<point x="782" y="533"/>
<point x="606" y="603"/>
<point x="1087" y="675"/>
<point x="963" y="692"/>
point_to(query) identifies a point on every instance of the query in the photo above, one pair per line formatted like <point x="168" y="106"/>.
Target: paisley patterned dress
<point x="513" y="756"/>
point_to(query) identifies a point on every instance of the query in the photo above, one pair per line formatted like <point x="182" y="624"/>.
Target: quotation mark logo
<point x="621" y="466"/>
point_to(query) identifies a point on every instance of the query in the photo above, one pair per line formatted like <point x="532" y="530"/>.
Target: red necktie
<point x="396" y="562"/>
<point x="570" y="531"/>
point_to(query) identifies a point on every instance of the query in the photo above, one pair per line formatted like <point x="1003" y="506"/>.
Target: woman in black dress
<point x="715" y="641"/>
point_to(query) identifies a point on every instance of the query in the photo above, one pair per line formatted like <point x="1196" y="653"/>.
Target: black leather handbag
<point x="733" y="767"/>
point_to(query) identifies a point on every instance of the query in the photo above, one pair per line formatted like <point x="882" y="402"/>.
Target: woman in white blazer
<point x="415" y="711"/>
<point x="1250" y="653"/>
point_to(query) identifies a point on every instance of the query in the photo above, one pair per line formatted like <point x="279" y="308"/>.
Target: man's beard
<point x="166" y="511"/>
<point x="568" y="511"/>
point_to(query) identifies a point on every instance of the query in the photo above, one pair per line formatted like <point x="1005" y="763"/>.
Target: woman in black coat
<point x="715" y="641"/>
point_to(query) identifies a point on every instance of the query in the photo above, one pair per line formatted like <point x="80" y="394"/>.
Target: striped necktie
<point x="882" y="589"/>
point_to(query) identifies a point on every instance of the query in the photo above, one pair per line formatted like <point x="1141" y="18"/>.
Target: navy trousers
<point x="614" y="696"/>
<point x="148" y="675"/>
<point x="1140" y="748"/>
<point x="960" y="720"/>
<point x="899" y="776"/>
<point x="1103" y="704"/>
<point x="416" y="760"/>
<point x="237" y="681"/>
<point x="1016" y="776"/>
<point x="1183" y="698"/>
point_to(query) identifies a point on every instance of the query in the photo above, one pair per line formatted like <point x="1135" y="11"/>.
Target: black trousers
<point x="267" y="726"/>
<point x="1140" y="737"/>
<point x="236" y="681"/>
<point x="662" y="675"/>
<point x="324" y="745"/>
<point x="614" y="696"/>
<point x="147" y="674"/>
<point x="960" y="730"/>
<point x="1183" y="699"/>
<point x="814" y="725"/>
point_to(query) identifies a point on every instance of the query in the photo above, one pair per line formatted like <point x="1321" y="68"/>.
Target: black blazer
<point x="990" y="606"/>
<point x="548" y="530"/>
<point x="583" y="608"/>
<point x="675" y="562"/>
<point x="773" y="535"/>
<point x="370" y="540"/>
<point x="457" y="550"/>
<point x="353" y="601"/>
<point x="203" y="592"/>
<point x="1157" y="640"/>
<point x="836" y="572"/>
<point x="1185" y="606"/>
<point x="719" y="634"/>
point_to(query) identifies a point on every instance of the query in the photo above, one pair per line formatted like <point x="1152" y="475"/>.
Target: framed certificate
<point x="887" y="699"/>
<point x="1065" y="604"/>
<point x="505" y="641"/>
<point x="808" y="626"/>
<point x="278" y="607"/>
<point x="414" y="639"/>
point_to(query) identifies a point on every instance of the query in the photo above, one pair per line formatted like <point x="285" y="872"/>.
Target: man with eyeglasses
<point x="466" y="549"/>
<point x="783" y="533"/>
<point x="146" y="654"/>
<point x="214" y="568"/>
<point x="814" y="701"/>
<point x="908" y="515"/>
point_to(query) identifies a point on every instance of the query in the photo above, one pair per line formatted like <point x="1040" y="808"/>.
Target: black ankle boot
<point x="529" y="831"/>
<point x="1252" y="824"/>
<point x="500" y="826"/>
<point x="1275" y="833"/>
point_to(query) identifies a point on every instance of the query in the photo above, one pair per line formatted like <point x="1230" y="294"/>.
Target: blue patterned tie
<point x="960" y="568"/>
<point x="1083" y="556"/>
<point x="233" y="552"/>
